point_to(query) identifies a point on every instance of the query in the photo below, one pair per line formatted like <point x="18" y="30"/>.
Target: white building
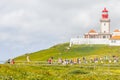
<point x="102" y="37"/>
<point x="115" y="39"/>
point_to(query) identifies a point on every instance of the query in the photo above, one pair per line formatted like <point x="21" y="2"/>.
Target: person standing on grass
<point x="9" y="60"/>
<point x="71" y="62"/>
<point x="12" y="61"/>
<point x="84" y="59"/>
<point x="50" y="60"/>
<point x="78" y="61"/>
<point x="59" y="61"/>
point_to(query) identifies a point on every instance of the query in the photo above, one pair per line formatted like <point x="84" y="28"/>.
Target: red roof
<point x="117" y="30"/>
<point x="115" y="38"/>
<point x="92" y="31"/>
<point x="105" y="10"/>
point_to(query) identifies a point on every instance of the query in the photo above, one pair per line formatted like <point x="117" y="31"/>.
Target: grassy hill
<point x="63" y="51"/>
<point x="83" y="71"/>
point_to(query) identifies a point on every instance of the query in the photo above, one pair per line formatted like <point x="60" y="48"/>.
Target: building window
<point x="113" y="41"/>
<point x="104" y="24"/>
<point x="104" y="36"/>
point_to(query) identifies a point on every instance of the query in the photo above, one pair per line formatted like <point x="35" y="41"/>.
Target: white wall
<point x="114" y="42"/>
<point x="88" y="41"/>
<point x="116" y="34"/>
<point x="105" y="27"/>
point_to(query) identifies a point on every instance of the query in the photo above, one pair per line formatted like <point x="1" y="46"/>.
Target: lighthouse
<point x="105" y="24"/>
<point x="104" y="36"/>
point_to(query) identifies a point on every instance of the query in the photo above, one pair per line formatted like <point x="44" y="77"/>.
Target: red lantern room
<point x="105" y="14"/>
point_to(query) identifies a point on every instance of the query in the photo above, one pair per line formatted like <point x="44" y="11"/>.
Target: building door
<point x="104" y="36"/>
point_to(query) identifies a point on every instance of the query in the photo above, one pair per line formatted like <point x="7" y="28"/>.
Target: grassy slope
<point x="92" y="71"/>
<point x="61" y="51"/>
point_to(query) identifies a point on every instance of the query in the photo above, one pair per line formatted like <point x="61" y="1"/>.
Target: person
<point x="9" y="60"/>
<point x="96" y="60"/>
<point x="12" y="61"/>
<point x="71" y="62"/>
<point x="75" y="60"/>
<point x="101" y="60"/>
<point x="64" y="62"/>
<point x="78" y="60"/>
<point x="50" y="60"/>
<point x="115" y="60"/>
<point x="84" y="60"/>
<point x="110" y="61"/>
<point x="59" y="61"/>
<point x="91" y="60"/>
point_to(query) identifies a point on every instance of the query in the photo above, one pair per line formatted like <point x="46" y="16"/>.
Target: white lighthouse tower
<point x="105" y="25"/>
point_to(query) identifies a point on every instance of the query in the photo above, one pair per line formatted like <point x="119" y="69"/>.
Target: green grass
<point x="60" y="72"/>
<point x="61" y="51"/>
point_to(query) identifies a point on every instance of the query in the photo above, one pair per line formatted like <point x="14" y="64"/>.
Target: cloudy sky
<point x="30" y="25"/>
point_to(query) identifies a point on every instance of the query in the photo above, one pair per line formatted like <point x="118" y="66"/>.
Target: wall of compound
<point x="77" y="41"/>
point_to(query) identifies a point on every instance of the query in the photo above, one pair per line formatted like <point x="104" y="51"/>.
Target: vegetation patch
<point x="78" y="72"/>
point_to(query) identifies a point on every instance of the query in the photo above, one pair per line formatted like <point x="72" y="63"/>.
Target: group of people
<point x="105" y="59"/>
<point x="12" y="61"/>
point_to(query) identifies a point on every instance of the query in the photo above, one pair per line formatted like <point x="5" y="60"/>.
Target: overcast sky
<point x="30" y="25"/>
